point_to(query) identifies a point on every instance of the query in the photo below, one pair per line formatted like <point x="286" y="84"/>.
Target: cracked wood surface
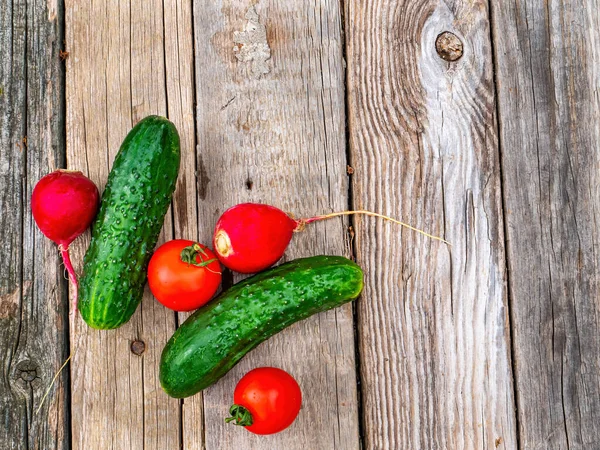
<point x="257" y="91"/>
<point x="548" y="70"/>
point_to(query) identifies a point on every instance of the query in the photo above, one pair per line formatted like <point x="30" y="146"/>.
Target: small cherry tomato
<point x="183" y="275"/>
<point x="266" y="401"/>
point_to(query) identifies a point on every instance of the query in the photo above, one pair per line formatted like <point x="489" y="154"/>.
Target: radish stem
<point x="303" y="222"/>
<point x="64" y="251"/>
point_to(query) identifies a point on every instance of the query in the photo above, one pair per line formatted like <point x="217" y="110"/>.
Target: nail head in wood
<point x="449" y="47"/>
<point x="138" y="347"/>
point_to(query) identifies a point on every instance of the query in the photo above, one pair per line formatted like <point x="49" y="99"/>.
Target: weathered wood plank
<point x="433" y="321"/>
<point x="127" y="60"/>
<point x="547" y="60"/>
<point x="272" y="130"/>
<point x="33" y="321"/>
<point x="179" y="54"/>
<point x="180" y="86"/>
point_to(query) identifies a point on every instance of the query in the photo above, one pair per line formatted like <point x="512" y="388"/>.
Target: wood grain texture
<point x="433" y="321"/>
<point x="33" y="321"/>
<point x="270" y="121"/>
<point x="179" y="56"/>
<point x="127" y="60"/>
<point x="547" y="56"/>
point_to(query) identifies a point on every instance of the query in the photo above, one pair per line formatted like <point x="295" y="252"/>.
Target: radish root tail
<point x="64" y="252"/>
<point x="53" y="381"/>
<point x="303" y="222"/>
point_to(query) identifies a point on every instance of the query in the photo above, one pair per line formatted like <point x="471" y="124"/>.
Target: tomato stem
<point x="301" y="224"/>
<point x="191" y="253"/>
<point x="240" y="416"/>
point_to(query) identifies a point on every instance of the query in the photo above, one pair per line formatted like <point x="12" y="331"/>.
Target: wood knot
<point x="449" y="47"/>
<point x="27" y="371"/>
<point x="138" y="347"/>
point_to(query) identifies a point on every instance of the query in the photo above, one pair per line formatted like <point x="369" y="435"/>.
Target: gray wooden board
<point x="33" y="320"/>
<point x="548" y="79"/>
<point x="271" y="130"/>
<point x="433" y="321"/>
<point x="119" y="70"/>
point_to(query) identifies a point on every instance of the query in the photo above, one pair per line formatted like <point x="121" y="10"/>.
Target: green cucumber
<point x="213" y="339"/>
<point x="137" y="196"/>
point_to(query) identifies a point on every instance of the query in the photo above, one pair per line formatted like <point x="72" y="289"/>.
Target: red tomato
<point x="268" y="398"/>
<point x="183" y="275"/>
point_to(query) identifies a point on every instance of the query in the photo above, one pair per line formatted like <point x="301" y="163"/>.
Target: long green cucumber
<point x="213" y="339"/>
<point x="137" y="196"/>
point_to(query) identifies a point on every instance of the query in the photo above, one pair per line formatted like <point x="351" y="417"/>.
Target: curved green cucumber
<point x="213" y="339"/>
<point x="137" y="196"/>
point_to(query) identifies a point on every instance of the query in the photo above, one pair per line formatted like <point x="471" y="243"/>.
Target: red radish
<point x="63" y="204"/>
<point x="250" y="237"/>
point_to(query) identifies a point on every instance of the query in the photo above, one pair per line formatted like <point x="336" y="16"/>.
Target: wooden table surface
<point x="317" y="106"/>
